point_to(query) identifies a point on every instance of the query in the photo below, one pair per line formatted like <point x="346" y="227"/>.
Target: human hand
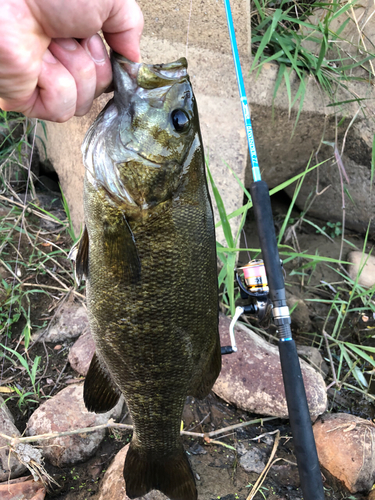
<point x="44" y="71"/>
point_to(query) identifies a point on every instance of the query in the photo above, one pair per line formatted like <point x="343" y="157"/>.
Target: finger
<point x="55" y="97"/>
<point x="82" y="68"/>
<point x="123" y="29"/>
<point x="22" y="45"/>
<point x="95" y="48"/>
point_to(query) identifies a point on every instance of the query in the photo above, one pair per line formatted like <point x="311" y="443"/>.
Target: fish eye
<point x="180" y="120"/>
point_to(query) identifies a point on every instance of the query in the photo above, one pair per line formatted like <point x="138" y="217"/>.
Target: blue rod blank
<point x="241" y="88"/>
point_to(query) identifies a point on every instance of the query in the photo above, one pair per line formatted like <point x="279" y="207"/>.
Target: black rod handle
<point x="299" y="416"/>
<point x="300" y="423"/>
<point x="267" y="238"/>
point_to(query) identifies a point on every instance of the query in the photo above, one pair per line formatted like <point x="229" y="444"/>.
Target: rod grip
<point x="300" y="423"/>
<point x="267" y="238"/>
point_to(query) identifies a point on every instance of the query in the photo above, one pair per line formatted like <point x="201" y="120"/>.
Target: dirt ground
<point x="217" y="469"/>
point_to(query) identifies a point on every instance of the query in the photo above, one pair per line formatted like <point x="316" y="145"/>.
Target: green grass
<point x="33" y="260"/>
<point x="283" y="32"/>
<point x="348" y="359"/>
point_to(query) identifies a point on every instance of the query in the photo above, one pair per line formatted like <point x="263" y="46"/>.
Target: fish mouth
<point x="134" y="155"/>
<point x="152" y="76"/>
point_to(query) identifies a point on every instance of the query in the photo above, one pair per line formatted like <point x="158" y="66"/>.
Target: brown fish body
<point x="149" y="255"/>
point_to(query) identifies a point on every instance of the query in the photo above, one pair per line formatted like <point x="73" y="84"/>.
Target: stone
<point x="81" y="353"/>
<point x="251" y="379"/>
<point x="66" y="412"/>
<point x="345" y="449"/>
<point x="69" y="323"/>
<point x="328" y="206"/>
<point x="113" y="483"/>
<point x="22" y="489"/>
<point x="313" y="356"/>
<point x="300" y="315"/>
<point x="365" y="262"/>
<point x="285" y="475"/>
<point x="292" y="146"/>
<point x="5" y="410"/>
<point x="10" y="466"/>
<point x="253" y="461"/>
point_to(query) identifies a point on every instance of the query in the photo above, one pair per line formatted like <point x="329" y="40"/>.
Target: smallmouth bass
<point x="149" y="257"/>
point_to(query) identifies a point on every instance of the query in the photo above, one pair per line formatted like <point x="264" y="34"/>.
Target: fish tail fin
<point x="170" y="474"/>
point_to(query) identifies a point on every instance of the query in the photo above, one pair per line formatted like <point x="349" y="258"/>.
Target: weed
<point x="285" y="33"/>
<point x="33" y="260"/>
<point x="332" y="228"/>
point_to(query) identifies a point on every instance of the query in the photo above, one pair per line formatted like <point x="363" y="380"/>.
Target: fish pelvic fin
<point x="100" y="393"/>
<point x="171" y="474"/>
<point x="79" y="254"/>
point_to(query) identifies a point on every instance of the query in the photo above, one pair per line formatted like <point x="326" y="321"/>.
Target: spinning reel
<point x="253" y="288"/>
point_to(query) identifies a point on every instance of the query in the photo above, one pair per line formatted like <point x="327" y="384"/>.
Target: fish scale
<point x="149" y="256"/>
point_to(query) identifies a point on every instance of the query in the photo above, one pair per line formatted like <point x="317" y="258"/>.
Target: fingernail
<point x="49" y="58"/>
<point x="96" y="49"/>
<point x="66" y="43"/>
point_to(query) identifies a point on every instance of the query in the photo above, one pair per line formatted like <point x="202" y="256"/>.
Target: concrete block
<point x="212" y="74"/>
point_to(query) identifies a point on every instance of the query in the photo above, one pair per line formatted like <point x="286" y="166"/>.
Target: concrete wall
<point x="283" y="149"/>
<point x="212" y="74"/>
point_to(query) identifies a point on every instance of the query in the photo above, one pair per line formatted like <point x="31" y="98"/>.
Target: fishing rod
<point x="258" y="285"/>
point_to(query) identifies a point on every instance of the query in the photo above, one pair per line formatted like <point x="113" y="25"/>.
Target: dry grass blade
<point x="265" y="471"/>
<point x="14" y="441"/>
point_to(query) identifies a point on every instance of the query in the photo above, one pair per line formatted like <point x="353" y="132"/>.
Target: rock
<point x="22" y="489"/>
<point x="10" y="466"/>
<point x="65" y="412"/>
<point x="346" y="450"/>
<point x="300" y="315"/>
<point x="5" y="410"/>
<point x="252" y="380"/>
<point x="252" y="461"/>
<point x="71" y="321"/>
<point x="314" y="357"/>
<point x="359" y="260"/>
<point x="113" y="484"/>
<point x="81" y="353"/>
<point x="30" y="456"/>
<point x="197" y="449"/>
<point x="285" y="475"/>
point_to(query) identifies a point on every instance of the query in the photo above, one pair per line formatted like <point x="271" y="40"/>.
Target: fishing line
<point x="246" y="245"/>
<point x="188" y="28"/>
<point x="20" y="235"/>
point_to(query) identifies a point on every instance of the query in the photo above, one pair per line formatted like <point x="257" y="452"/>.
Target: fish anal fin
<point x="171" y="474"/>
<point x="123" y="250"/>
<point x="201" y="388"/>
<point x="100" y="393"/>
<point x="80" y="255"/>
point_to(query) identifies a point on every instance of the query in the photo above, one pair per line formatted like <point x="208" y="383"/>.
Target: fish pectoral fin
<point x="79" y="254"/>
<point x="201" y="388"/>
<point x="170" y="474"/>
<point x="100" y="392"/>
<point x="123" y="251"/>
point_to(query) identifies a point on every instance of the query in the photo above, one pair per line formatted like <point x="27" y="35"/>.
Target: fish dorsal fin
<point x="79" y="254"/>
<point x="123" y="251"/>
<point x="100" y="392"/>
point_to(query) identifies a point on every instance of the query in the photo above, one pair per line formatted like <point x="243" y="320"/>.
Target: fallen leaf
<point x="6" y="390"/>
